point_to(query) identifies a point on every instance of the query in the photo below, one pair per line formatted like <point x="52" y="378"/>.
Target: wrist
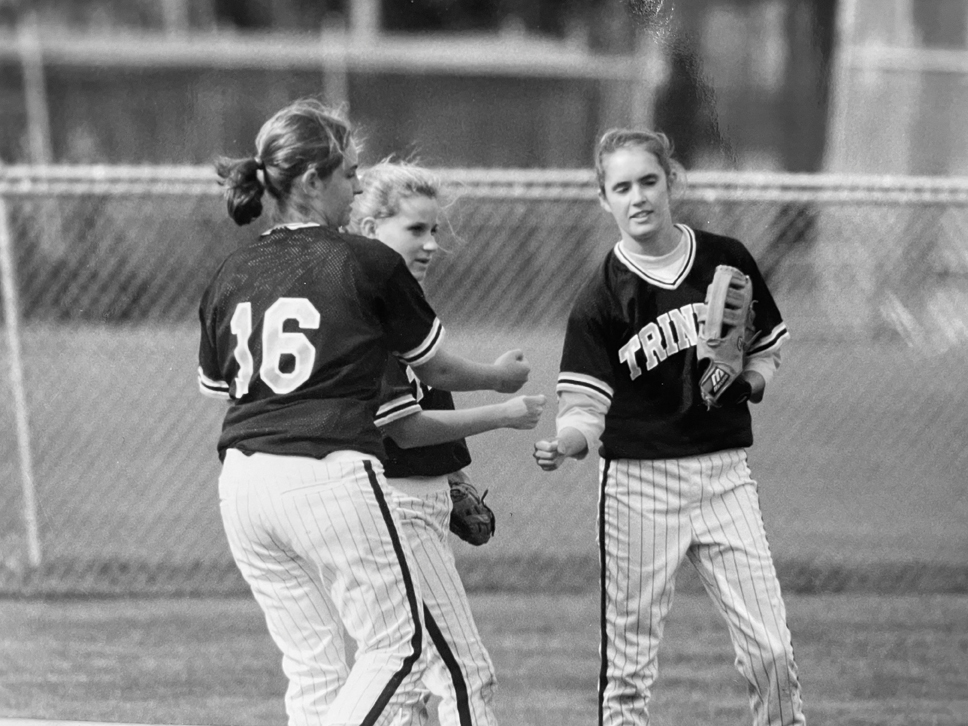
<point x="571" y="442"/>
<point x="500" y="415"/>
<point x="497" y="378"/>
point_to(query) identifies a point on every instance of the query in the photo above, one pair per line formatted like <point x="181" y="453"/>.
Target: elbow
<point x="401" y="436"/>
<point x="434" y="378"/>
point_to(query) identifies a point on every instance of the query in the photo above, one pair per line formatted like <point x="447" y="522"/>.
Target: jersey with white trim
<point x="631" y="344"/>
<point x="404" y="395"/>
<point x="296" y="332"/>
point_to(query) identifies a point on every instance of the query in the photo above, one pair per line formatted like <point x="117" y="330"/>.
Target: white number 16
<point x="275" y="344"/>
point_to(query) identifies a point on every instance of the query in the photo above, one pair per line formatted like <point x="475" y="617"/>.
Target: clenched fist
<point x="550" y="453"/>
<point x="513" y="371"/>
<point x="523" y="412"/>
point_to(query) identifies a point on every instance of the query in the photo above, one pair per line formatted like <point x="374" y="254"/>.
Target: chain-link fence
<point x="107" y="452"/>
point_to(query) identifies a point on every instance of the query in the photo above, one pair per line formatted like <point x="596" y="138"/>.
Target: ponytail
<point x="243" y="188"/>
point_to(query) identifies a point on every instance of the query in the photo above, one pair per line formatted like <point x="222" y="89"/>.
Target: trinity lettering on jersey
<point x="670" y="333"/>
<point x="630" y="345"/>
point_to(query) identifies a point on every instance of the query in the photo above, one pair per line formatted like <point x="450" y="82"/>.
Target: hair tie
<point x="260" y="170"/>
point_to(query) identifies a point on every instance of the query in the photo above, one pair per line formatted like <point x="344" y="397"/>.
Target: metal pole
<point x="653" y="74"/>
<point x="175" y="17"/>
<point x="365" y="19"/>
<point x="11" y="319"/>
<point x="35" y="91"/>
<point x="841" y="78"/>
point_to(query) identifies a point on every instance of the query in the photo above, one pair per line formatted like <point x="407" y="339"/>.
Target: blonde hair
<point x="304" y="135"/>
<point x="389" y="182"/>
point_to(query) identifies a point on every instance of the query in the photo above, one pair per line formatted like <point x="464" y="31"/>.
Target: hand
<point x="513" y="371"/>
<point x="748" y="387"/>
<point x="738" y="392"/>
<point x="523" y="412"/>
<point x="548" y="455"/>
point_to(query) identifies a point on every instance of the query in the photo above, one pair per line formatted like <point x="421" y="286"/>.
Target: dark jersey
<point x="631" y="344"/>
<point x="297" y="329"/>
<point x="403" y="395"/>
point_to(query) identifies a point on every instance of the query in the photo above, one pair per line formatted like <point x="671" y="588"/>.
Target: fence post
<point x="11" y="320"/>
<point x="35" y="90"/>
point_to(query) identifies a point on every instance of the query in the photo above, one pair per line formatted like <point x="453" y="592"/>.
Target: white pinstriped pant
<point x="319" y="545"/>
<point x="652" y="515"/>
<point x="459" y="669"/>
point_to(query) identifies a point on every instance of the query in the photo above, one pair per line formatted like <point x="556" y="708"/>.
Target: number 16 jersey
<point x="296" y="332"/>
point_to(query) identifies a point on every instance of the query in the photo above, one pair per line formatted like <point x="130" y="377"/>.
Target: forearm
<point x="451" y="372"/>
<point x="583" y="415"/>
<point x="437" y="427"/>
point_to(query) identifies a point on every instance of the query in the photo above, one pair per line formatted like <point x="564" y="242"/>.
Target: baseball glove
<point x="470" y="518"/>
<point x="725" y="336"/>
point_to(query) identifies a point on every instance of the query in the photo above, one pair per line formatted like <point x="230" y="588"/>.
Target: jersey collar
<point x="291" y="225"/>
<point x="667" y="278"/>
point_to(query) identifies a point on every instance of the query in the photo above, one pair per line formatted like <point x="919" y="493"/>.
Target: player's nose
<point x="638" y="194"/>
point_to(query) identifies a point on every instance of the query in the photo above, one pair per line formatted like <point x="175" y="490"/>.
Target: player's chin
<point x="641" y="228"/>
<point x="419" y="272"/>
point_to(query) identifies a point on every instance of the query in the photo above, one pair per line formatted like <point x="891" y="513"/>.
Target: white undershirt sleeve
<point x="583" y="413"/>
<point x="765" y="363"/>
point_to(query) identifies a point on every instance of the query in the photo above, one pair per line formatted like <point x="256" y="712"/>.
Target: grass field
<point x="859" y="453"/>
<point x="864" y="661"/>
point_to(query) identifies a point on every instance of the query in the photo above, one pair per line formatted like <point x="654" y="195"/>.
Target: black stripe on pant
<point x="603" y="674"/>
<point x="417" y="638"/>
<point x="453" y="667"/>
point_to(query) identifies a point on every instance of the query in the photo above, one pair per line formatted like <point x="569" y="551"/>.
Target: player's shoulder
<point x="599" y="286"/>
<point x="313" y="233"/>
<point x="713" y="241"/>
<point x="395" y="372"/>
<point x="371" y="253"/>
<point x="720" y="249"/>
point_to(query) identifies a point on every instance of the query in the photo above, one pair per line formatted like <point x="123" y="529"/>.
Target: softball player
<point x="296" y="331"/>
<point x="675" y="483"/>
<point x="424" y="444"/>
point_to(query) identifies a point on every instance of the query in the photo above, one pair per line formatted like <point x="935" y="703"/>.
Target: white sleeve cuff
<point x="765" y="363"/>
<point x="584" y="413"/>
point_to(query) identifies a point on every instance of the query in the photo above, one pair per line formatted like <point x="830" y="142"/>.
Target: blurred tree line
<point x="556" y="18"/>
<point x="736" y="83"/>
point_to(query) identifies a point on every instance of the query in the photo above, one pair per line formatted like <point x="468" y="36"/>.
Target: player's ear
<point x="311" y="179"/>
<point x="368" y="227"/>
<point x="603" y="202"/>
